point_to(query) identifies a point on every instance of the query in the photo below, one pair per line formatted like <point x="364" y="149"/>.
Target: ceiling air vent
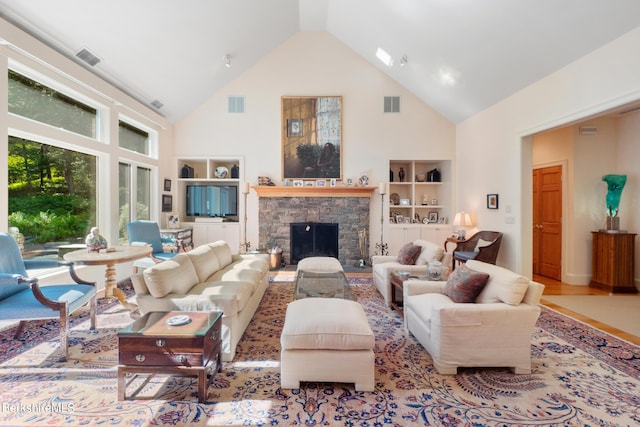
<point x="157" y="104"/>
<point x="391" y="104"/>
<point x="236" y="104"/>
<point x="88" y="57"/>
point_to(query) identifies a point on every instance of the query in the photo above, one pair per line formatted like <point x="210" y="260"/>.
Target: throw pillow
<point x="430" y="252"/>
<point x="481" y="244"/>
<point x="409" y="253"/>
<point x="464" y="284"/>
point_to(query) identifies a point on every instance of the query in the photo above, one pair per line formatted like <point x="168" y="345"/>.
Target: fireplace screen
<point x="313" y="239"/>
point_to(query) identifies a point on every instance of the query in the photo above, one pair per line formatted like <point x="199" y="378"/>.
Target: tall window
<point x="133" y="205"/>
<point x="36" y="101"/>
<point x="52" y="192"/>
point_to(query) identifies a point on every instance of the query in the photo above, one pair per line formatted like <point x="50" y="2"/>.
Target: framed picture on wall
<point x="167" y="203"/>
<point x="167" y="185"/>
<point x="492" y="201"/>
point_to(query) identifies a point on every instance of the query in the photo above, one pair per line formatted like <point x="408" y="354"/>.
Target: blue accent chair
<point x="23" y="299"/>
<point x="148" y="233"/>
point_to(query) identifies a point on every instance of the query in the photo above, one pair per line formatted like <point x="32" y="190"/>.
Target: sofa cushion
<point x="326" y="324"/>
<point x="503" y="285"/>
<point x="204" y="261"/>
<point x="430" y="252"/>
<point x="409" y="253"/>
<point x="176" y="275"/>
<point x="241" y="291"/>
<point x="231" y="274"/>
<point x="464" y="285"/>
<point x="223" y="252"/>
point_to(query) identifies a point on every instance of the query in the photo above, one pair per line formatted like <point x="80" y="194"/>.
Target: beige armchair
<point x="493" y="331"/>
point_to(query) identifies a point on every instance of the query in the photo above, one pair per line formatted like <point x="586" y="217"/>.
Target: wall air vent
<point x="391" y="104"/>
<point x="236" y="104"/>
<point x="588" y="130"/>
<point x="157" y="104"/>
<point x="88" y="57"/>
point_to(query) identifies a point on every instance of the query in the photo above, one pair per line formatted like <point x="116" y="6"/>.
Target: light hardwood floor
<point x="554" y="287"/>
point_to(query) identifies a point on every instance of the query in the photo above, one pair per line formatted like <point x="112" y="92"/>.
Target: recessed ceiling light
<point x="383" y="56"/>
<point x="227" y="61"/>
<point x="404" y="60"/>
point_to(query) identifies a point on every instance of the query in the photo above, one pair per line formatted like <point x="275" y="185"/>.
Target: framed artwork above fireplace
<point x="311" y="131"/>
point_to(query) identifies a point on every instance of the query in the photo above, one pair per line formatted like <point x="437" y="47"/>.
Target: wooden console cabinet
<point x="612" y="260"/>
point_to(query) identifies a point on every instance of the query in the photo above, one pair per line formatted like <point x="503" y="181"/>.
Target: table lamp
<point x="462" y="219"/>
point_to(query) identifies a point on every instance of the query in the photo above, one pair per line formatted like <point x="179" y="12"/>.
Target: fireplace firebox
<point x="313" y="239"/>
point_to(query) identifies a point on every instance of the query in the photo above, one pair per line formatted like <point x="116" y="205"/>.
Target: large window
<point x="52" y="193"/>
<point x="36" y="101"/>
<point x="133" y="205"/>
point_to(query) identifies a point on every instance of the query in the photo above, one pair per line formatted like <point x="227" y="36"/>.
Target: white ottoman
<point x="319" y="264"/>
<point x="327" y="340"/>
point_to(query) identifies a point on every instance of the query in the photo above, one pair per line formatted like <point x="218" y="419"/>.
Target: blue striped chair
<point x="23" y="299"/>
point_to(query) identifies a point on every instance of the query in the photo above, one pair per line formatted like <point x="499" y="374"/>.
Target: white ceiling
<point x="172" y="50"/>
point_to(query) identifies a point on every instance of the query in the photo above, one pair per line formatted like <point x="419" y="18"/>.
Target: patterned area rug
<point x="580" y="376"/>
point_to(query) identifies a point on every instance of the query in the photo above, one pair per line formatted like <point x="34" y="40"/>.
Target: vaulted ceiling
<point x="462" y="56"/>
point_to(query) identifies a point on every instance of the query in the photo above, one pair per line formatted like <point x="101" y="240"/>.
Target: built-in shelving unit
<point x="419" y="208"/>
<point x="210" y="170"/>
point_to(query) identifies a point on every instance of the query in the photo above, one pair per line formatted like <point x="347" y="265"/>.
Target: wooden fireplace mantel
<point x="340" y="191"/>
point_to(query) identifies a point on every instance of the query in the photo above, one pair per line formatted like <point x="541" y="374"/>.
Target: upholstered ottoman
<point x="320" y="264"/>
<point x="327" y="340"/>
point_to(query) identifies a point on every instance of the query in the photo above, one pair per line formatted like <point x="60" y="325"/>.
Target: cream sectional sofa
<point x="207" y="278"/>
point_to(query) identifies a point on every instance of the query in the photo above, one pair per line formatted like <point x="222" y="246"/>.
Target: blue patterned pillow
<point x="464" y="284"/>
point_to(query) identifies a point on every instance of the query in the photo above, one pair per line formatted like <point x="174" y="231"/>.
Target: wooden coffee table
<point x="397" y="285"/>
<point x="151" y="346"/>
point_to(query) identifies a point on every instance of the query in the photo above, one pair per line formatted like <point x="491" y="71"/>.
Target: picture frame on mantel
<point x="311" y="128"/>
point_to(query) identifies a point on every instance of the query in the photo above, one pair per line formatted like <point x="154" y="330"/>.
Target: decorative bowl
<point x="221" y="172"/>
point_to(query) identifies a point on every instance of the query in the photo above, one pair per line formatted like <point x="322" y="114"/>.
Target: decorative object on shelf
<point x="167" y="185"/>
<point x="405" y="202"/>
<point x="364" y="180"/>
<point x="462" y="219"/>
<point x="442" y="220"/>
<point x="434" y="201"/>
<point x="221" y="172"/>
<point x="615" y="185"/>
<point x="321" y="182"/>
<point x="433" y="217"/>
<point x="265" y="180"/>
<point x="390" y="175"/>
<point x="333" y="182"/>
<point x="187" y="171"/>
<point x="425" y="199"/>
<point x="425" y="220"/>
<point x="433" y="175"/>
<point x="492" y="201"/>
<point x="421" y="177"/>
<point x="287" y="182"/>
<point x="309" y="183"/>
<point x="349" y="182"/>
<point x="382" y="248"/>
<point x="94" y="241"/>
<point x="394" y="198"/>
<point x="311" y="137"/>
<point x="235" y="171"/>
<point x="401" y="174"/>
<point x="298" y="183"/>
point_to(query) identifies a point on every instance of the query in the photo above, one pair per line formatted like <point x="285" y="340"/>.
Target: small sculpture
<point x="95" y="241"/>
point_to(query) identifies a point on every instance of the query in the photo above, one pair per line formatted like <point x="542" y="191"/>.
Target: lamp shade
<point x="462" y="219"/>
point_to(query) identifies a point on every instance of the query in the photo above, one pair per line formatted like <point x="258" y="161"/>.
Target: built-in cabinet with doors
<point x="209" y="198"/>
<point x="419" y="202"/>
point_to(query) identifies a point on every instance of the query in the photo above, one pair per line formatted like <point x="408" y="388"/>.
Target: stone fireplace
<point x="279" y="207"/>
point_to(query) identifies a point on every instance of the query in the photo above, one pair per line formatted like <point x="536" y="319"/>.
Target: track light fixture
<point x="227" y="61"/>
<point x="404" y="60"/>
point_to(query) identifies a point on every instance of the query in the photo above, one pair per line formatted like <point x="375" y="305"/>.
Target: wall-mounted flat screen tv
<point x="212" y="200"/>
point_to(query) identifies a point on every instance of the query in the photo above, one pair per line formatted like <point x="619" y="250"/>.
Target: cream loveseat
<point x="493" y="331"/>
<point x="384" y="265"/>
<point x="207" y="278"/>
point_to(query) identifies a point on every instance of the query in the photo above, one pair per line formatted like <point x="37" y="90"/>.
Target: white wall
<point x="498" y="136"/>
<point x="315" y="63"/>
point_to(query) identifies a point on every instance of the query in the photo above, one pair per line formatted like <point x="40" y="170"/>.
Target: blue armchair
<point x="148" y="233"/>
<point x="23" y="299"/>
